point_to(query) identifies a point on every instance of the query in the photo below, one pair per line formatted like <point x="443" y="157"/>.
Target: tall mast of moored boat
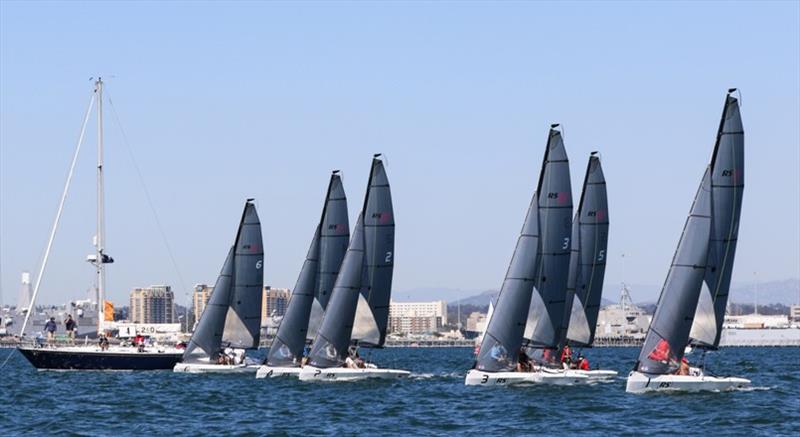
<point x="100" y="237"/>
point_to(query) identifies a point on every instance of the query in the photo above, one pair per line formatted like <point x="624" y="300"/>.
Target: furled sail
<point x="233" y="314"/>
<point x="727" y="187"/>
<point x="588" y="259"/>
<point x="669" y="329"/>
<point x="358" y="308"/>
<point x="315" y="282"/>
<point x="555" y="221"/>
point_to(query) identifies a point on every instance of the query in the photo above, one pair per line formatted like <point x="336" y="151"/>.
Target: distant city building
<point x="274" y="302"/>
<point x="154" y="304"/>
<point x="476" y="322"/>
<point x="794" y="313"/>
<point x="200" y="296"/>
<point x="417" y="317"/>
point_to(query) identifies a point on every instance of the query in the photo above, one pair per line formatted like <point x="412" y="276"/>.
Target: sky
<point x="225" y="101"/>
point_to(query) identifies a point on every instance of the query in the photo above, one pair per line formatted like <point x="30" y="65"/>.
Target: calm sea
<point x="433" y="401"/>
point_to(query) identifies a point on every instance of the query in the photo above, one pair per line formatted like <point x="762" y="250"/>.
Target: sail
<point x="314" y="280"/>
<point x="243" y="321"/>
<point x="206" y="340"/>
<point x="588" y="258"/>
<point x="669" y="329"/>
<point x="555" y="220"/>
<point x="358" y="308"/>
<point x="373" y="318"/>
<point x="727" y="187"/>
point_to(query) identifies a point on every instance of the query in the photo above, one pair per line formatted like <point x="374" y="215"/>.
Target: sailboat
<point x="692" y="304"/>
<point x="524" y="321"/>
<point x="314" y="286"/>
<point x="93" y="357"/>
<point x="231" y="321"/>
<point x="587" y="266"/>
<point x="358" y="311"/>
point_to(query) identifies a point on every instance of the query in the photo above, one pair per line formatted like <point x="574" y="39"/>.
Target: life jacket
<point x="584" y="364"/>
<point x="662" y="352"/>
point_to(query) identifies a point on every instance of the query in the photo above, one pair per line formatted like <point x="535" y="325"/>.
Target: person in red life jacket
<point x="583" y="363"/>
<point x="683" y="370"/>
<point x="566" y="357"/>
<point x="547" y="356"/>
<point x="662" y="352"/>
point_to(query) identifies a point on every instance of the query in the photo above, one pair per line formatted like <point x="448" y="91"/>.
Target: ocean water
<point x="434" y="401"/>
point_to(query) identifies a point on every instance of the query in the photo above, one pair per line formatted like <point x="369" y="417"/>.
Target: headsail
<point x="669" y="330"/>
<point x="555" y="220"/>
<point x="727" y="186"/>
<point x="314" y="283"/>
<point x="233" y="314"/>
<point x="358" y="308"/>
<point x="588" y="258"/>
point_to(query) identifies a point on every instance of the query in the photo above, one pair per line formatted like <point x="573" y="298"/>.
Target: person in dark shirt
<point x="50" y="328"/>
<point x="71" y="326"/>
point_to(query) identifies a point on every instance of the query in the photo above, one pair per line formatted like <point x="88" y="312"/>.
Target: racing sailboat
<point x="96" y="356"/>
<point x="231" y="321"/>
<point x="587" y="266"/>
<point x="692" y="304"/>
<point x="314" y="285"/>
<point x="523" y="321"/>
<point x="358" y="311"/>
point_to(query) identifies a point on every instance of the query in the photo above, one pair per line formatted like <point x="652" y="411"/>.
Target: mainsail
<point x="233" y="314"/>
<point x="669" y="330"/>
<point x="727" y="186"/>
<point x="315" y="283"/>
<point x="555" y="220"/>
<point x="515" y="315"/>
<point x="588" y="259"/>
<point x="359" y="306"/>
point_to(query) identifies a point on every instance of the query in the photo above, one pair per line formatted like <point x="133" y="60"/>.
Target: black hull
<point x="43" y="358"/>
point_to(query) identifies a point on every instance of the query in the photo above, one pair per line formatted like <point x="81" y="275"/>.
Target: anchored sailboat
<point x="358" y="311"/>
<point x="100" y="356"/>
<point x="524" y="321"/>
<point x="231" y="322"/>
<point x="314" y="286"/>
<point x="692" y="304"/>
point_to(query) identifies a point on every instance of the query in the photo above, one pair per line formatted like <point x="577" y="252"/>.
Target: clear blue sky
<point x="227" y="101"/>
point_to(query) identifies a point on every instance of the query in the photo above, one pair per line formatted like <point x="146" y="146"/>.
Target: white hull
<point x="275" y="372"/>
<point x="310" y="373"/>
<point x="478" y="377"/>
<point x="213" y="368"/>
<point x="540" y="376"/>
<point x="641" y="383"/>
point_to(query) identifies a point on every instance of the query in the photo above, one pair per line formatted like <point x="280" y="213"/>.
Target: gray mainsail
<point x="358" y="308"/>
<point x="316" y="279"/>
<point x="517" y="311"/>
<point x="233" y="314"/>
<point x="555" y="221"/>
<point x="588" y="259"/>
<point x="669" y="330"/>
<point x="727" y="187"/>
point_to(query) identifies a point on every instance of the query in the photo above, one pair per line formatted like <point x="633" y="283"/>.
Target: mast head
<point x="731" y="90"/>
<point x="250" y="199"/>
<point x="377" y="155"/>
<point x="336" y="172"/>
<point x="555" y="125"/>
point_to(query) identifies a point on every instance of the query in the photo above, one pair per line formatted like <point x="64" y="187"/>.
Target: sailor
<point x="661" y="352"/>
<point x="50" y="328"/>
<point x="524" y="362"/>
<point x="103" y="342"/>
<point x="352" y="354"/>
<point x="566" y="357"/>
<point x="70" y="325"/>
<point x="583" y="363"/>
<point x="683" y="370"/>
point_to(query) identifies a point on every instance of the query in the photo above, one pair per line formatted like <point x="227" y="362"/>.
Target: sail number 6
<point x="259" y="263"/>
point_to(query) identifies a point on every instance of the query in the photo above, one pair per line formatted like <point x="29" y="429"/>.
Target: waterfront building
<point x="417" y="317"/>
<point x="154" y="304"/>
<point x="274" y="302"/>
<point x="794" y="313"/>
<point x="200" y="296"/>
<point x="476" y="322"/>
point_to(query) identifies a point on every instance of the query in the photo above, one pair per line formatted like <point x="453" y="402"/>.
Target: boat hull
<point x="310" y="373"/>
<point x="550" y="377"/>
<point x="94" y="359"/>
<point x="214" y="368"/>
<point x="641" y="383"/>
<point x="275" y="372"/>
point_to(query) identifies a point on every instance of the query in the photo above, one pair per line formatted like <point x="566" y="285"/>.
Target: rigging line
<point x="58" y="214"/>
<point x="146" y="193"/>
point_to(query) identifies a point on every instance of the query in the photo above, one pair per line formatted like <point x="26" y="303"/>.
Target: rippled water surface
<point x="433" y="401"/>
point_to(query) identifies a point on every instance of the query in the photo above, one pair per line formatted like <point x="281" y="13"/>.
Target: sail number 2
<point x="388" y="258"/>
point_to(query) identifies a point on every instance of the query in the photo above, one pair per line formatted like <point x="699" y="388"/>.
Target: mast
<point x="100" y="237"/>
